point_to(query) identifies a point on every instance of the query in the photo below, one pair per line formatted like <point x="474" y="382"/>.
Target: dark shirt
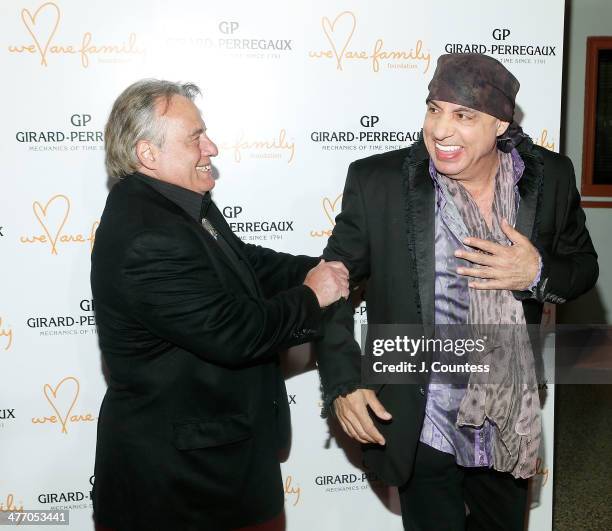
<point x="195" y="204"/>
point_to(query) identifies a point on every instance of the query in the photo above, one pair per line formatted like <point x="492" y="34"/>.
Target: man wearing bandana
<point x="473" y="224"/>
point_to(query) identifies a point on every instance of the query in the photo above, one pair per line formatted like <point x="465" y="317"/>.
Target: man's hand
<point x="512" y="267"/>
<point x="352" y="413"/>
<point x="329" y="281"/>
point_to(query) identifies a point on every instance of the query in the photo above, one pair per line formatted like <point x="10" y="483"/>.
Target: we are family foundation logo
<point x="339" y="47"/>
<point x="52" y="217"/>
<point x="62" y="399"/>
<point x="331" y="208"/>
<point x="277" y="146"/>
<point x="41" y="41"/>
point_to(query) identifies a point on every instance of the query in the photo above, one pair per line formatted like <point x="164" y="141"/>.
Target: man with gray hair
<point x="190" y="322"/>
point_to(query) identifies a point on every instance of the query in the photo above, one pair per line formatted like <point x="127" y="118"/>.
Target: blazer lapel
<point x="419" y="203"/>
<point x="530" y="190"/>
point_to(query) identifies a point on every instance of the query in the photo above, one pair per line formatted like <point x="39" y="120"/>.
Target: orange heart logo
<point x="329" y="207"/>
<point x="339" y="37"/>
<point x="42" y="30"/>
<point x="63" y="398"/>
<point x="52" y="217"/>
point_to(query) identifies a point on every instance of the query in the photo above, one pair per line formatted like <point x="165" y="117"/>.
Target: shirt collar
<point x="195" y="204"/>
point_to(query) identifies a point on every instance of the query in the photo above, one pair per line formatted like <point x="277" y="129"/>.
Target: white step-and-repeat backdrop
<point x="293" y="92"/>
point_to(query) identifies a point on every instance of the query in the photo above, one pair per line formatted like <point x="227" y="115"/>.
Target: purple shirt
<point x="471" y="446"/>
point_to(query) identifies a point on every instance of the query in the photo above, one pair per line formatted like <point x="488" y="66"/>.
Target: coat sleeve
<point x="571" y="269"/>
<point x="277" y="271"/>
<point x="338" y="354"/>
<point x="174" y="291"/>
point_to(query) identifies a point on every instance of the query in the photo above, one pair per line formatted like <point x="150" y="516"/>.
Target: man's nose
<point x="443" y="127"/>
<point x="208" y="147"/>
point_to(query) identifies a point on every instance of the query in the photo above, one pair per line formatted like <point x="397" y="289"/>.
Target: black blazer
<point x="196" y="407"/>
<point x="385" y="234"/>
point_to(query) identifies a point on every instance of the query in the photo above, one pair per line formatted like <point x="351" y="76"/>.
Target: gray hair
<point x="133" y="118"/>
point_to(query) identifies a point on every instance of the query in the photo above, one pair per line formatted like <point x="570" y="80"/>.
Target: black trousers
<point x="439" y="490"/>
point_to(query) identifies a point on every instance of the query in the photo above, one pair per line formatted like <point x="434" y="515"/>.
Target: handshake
<point x="329" y="281"/>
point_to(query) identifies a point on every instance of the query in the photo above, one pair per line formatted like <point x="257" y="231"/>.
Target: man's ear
<point x="146" y="152"/>
<point x="502" y="127"/>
